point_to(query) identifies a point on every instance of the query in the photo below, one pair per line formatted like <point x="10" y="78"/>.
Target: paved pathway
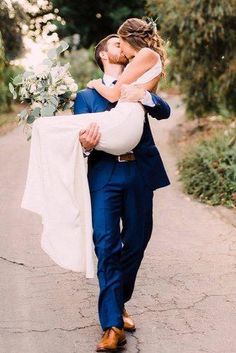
<point x="184" y="301"/>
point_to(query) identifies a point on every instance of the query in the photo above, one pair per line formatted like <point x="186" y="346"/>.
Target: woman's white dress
<point x="57" y="186"/>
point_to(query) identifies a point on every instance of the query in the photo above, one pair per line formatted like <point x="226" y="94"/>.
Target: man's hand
<point x="90" y="136"/>
<point x="132" y="93"/>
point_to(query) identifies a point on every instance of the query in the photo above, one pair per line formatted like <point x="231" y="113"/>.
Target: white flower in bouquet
<point x="45" y="89"/>
<point x="73" y="96"/>
<point x="41" y="71"/>
<point x="33" y="88"/>
<point x="61" y="89"/>
<point x="68" y="80"/>
<point x="73" y="87"/>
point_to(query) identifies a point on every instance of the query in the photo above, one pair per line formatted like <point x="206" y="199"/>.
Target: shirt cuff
<point x="147" y="100"/>
<point x="85" y="152"/>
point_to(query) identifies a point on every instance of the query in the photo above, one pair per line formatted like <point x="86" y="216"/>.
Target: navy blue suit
<point x="121" y="191"/>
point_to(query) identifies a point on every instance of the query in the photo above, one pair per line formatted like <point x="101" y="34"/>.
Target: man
<point x="121" y="189"/>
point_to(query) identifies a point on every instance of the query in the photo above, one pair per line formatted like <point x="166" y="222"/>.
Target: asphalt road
<point x="184" y="299"/>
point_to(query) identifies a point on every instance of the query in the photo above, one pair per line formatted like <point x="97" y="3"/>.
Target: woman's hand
<point x="112" y="94"/>
<point x="94" y="83"/>
<point x="132" y="93"/>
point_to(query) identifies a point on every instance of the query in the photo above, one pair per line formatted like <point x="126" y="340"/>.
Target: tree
<point x="12" y="17"/>
<point x="2" y="56"/>
<point x="202" y="33"/>
<point x="3" y="86"/>
<point x="95" y="19"/>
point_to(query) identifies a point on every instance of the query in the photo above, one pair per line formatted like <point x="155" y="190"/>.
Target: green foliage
<point x="45" y="88"/>
<point x="94" y="20"/>
<point x="82" y="66"/>
<point x="12" y="17"/>
<point x="203" y="35"/>
<point x="208" y="171"/>
<point x="6" y="73"/>
<point x="169" y="81"/>
<point x="2" y="54"/>
<point x="3" y="87"/>
<point x="5" y="95"/>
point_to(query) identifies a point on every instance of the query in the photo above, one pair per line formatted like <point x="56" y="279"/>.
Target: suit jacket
<point x="101" y="164"/>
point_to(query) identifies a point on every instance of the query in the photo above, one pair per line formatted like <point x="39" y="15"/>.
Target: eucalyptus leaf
<point x="18" y="80"/>
<point x="52" y="53"/>
<point x="23" y="114"/>
<point x="53" y="100"/>
<point x="47" y="62"/>
<point x="62" y="47"/>
<point x="30" y="119"/>
<point x="11" y="87"/>
<point x="66" y="94"/>
<point x="14" y="95"/>
<point x="66" y="106"/>
<point x="36" y="112"/>
<point x="48" y="110"/>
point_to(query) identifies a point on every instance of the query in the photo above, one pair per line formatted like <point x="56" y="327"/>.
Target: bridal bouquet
<point x="45" y="89"/>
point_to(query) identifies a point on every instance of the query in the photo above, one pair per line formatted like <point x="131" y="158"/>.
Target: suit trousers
<point x="122" y="223"/>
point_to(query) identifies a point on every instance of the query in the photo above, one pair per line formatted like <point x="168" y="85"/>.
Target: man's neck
<point x="114" y="70"/>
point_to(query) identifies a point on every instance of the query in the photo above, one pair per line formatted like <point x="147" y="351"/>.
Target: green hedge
<point x="208" y="171"/>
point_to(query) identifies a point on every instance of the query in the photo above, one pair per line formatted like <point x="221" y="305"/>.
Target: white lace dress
<point x="57" y="186"/>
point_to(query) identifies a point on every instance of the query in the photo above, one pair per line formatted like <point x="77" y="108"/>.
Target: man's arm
<point x="160" y="110"/>
<point x="80" y="105"/>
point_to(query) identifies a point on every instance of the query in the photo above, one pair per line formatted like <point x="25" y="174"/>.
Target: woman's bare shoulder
<point x="148" y="53"/>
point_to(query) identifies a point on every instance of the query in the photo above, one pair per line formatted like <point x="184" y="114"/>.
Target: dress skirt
<point x="57" y="186"/>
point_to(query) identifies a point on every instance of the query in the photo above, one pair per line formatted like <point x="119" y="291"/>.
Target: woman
<point x="57" y="186"/>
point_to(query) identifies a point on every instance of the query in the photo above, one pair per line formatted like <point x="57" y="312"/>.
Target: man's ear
<point x="103" y="55"/>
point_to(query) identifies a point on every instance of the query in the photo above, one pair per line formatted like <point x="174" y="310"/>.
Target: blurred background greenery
<point x="201" y="62"/>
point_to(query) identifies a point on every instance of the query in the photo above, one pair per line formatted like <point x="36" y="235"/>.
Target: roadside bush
<point x="2" y="82"/>
<point x="208" y="171"/>
<point x="7" y="75"/>
<point x="7" y="72"/>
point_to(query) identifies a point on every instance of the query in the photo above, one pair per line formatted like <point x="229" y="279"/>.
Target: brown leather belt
<point x="126" y="157"/>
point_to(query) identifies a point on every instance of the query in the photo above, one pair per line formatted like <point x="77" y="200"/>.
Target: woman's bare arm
<point x="142" y="62"/>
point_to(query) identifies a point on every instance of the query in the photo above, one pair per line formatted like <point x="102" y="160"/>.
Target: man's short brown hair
<point x="102" y="46"/>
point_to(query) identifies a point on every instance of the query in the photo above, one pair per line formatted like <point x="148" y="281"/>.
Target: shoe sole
<point x="130" y="329"/>
<point x="120" y="345"/>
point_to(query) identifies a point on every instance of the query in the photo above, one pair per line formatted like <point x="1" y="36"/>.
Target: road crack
<point x="16" y="263"/>
<point x="50" y="330"/>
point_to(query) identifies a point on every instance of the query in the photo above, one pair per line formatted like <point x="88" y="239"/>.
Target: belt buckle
<point x="121" y="160"/>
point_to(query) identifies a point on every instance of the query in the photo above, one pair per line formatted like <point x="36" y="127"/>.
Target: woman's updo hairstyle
<point x="140" y="34"/>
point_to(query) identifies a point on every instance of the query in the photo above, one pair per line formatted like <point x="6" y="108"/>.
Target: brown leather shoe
<point x="112" y="339"/>
<point x="128" y="322"/>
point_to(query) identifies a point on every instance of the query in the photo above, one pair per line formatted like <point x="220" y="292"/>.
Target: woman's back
<point x="150" y="74"/>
